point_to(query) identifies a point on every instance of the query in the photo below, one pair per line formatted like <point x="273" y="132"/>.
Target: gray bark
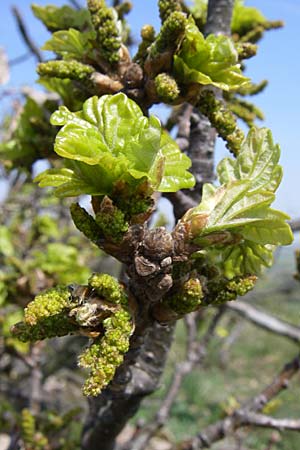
<point x="219" y="16"/>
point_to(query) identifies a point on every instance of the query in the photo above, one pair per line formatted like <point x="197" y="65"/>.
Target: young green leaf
<point x="62" y="18"/>
<point x="110" y="141"/>
<point x="70" y="44"/>
<point x="210" y="61"/>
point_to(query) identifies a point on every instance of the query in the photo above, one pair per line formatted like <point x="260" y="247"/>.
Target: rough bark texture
<point x="140" y="373"/>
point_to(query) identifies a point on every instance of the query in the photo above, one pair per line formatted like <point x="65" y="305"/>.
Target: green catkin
<point x="27" y="427"/>
<point x="239" y="286"/>
<point x="172" y="29"/>
<point x="253" y="89"/>
<point x="104" y="21"/>
<point x="246" y="111"/>
<point x="112" y="223"/>
<point x="72" y="70"/>
<point x="105" y="355"/>
<point x="32" y="439"/>
<point x="245" y="50"/>
<point x="56" y="312"/>
<point x="46" y="328"/>
<point x="167" y="7"/>
<point x="49" y="303"/>
<point x="222" y="119"/>
<point x="46" y="316"/>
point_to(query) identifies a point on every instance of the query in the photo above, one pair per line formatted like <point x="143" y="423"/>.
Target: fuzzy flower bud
<point x="108" y="287"/>
<point x="188" y="298"/>
<point x="166" y="87"/>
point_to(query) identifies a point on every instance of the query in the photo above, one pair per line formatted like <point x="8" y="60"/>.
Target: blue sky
<point x="277" y="60"/>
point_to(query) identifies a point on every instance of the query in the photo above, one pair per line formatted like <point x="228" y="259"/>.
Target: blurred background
<point x="241" y="357"/>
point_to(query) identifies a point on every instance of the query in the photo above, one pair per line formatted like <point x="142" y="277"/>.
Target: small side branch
<point x="248" y="414"/>
<point x="264" y="421"/>
<point x="295" y="225"/>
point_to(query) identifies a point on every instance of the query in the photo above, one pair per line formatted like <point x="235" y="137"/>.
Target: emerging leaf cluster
<point x="111" y="141"/>
<point x="235" y="221"/>
<point x="208" y="61"/>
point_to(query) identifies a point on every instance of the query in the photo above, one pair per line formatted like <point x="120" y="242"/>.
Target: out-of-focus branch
<point x="4" y="67"/>
<point x="223" y="428"/>
<point x="19" y="59"/>
<point x="264" y="421"/>
<point x="229" y="341"/>
<point x="35" y="394"/>
<point x="265" y="320"/>
<point x="75" y="4"/>
<point x="24" y="33"/>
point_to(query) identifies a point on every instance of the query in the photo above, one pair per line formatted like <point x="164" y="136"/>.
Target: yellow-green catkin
<point x="106" y="354"/>
<point x="148" y="37"/>
<point x="46" y="316"/>
<point x="72" y="70"/>
<point x="239" y="286"/>
<point x="172" y="29"/>
<point x="112" y="224"/>
<point x="108" y="287"/>
<point x="27" y="427"/>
